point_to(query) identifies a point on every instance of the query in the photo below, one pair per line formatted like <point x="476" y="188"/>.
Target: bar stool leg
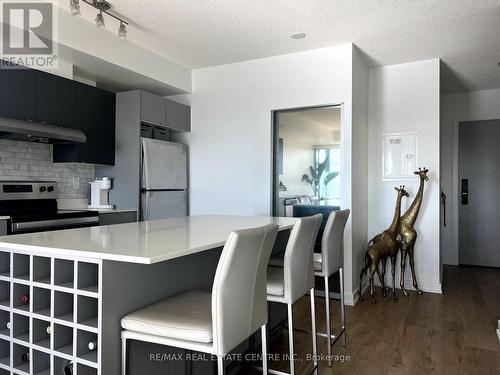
<point x="124" y="356"/>
<point x="313" y="326"/>
<point x="290" y="339"/>
<point x="328" y="320"/>
<point x="221" y="369"/>
<point x="342" y="307"/>
<point x="263" y="331"/>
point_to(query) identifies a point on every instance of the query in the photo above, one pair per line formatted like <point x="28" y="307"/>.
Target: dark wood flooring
<point x="452" y="333"/>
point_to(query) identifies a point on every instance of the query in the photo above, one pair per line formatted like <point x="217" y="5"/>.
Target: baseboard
<point x="351" y="299"/>
<point x="424" y="285"/>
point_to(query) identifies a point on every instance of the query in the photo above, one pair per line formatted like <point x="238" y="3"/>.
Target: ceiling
<point x="320" y="126"/>
<point x="465" y="34"/>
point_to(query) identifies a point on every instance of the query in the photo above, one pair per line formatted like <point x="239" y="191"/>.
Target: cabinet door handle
<point x="465" y="192"/>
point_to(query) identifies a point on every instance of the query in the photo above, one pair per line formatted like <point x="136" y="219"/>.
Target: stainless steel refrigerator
<point x="164" y="191"/>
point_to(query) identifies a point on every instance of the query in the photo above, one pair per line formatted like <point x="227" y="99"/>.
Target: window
<point x="329" y="183"/>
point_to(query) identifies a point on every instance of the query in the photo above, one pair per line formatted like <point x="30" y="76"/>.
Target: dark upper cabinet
<point x="95" y="116"/>
<point x="17" y="93"/>
<point x="177" y="116"/>
<point x="152" y="108"/>
<point x="55" y="100"/>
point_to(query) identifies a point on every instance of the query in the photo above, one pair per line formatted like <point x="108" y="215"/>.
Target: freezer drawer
<point x="163" y="204"/>
<point x="164" y="165"/>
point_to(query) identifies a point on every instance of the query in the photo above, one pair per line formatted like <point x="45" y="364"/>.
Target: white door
<point x="479" y="207"/>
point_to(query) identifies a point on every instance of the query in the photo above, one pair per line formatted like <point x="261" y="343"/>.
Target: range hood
<point x="28" y="131"/>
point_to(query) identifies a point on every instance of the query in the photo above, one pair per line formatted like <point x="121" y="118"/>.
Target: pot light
<point x="298" y="36"/>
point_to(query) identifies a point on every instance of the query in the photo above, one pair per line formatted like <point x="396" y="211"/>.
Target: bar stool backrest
<point x="239" y="298"/>
<point x="332" y="249"/>
<point x="298" y="266"/>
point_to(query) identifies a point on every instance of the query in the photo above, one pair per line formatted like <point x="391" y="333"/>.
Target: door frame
<point x="275" y="139"/>
<point x="456" y="177"/>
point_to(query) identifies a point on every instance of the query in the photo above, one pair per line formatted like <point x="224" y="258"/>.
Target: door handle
<point x="465" y="191"/>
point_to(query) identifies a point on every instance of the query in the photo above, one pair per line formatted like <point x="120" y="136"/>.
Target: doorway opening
<point x="478" y="204"/>
<point x="307" y="156"/>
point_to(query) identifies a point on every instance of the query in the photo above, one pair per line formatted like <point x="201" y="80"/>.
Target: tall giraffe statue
<point x="387" y="246"/>
<point x="409" y="234"/>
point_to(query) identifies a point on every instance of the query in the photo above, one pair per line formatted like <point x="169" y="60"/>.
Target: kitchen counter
<point x="141" y="242"/>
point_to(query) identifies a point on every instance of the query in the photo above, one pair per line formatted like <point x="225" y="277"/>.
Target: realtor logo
<point x="28" y="33"/>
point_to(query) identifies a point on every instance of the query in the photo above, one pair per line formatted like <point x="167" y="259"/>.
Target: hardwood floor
<point x="452" y="333"/>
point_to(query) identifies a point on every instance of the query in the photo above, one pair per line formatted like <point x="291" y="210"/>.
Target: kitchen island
<point x="80" y="282"/>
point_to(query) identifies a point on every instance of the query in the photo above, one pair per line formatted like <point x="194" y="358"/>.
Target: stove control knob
<point x="50" y="188"/>
<point x="42" y="189"/>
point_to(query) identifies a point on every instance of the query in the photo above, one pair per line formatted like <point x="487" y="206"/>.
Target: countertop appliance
<point x="99" y="193"/>
<point x="32" y="207"/>
<point x="163" y="180"/>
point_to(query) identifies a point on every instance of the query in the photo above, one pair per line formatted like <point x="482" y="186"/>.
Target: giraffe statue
<point x="386" y="246"/>
<point x="408" y="233"/>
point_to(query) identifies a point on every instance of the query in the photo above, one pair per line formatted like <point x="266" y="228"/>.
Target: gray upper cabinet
<point x="177" y="116"/>
<point x="152" y="109"/>
<point x="158" y="111"/>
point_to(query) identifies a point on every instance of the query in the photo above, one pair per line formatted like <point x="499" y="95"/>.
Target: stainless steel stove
<point x="32" y="207"/>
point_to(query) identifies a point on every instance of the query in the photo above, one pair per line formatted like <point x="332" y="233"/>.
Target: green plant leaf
<point x="330" y="176"/>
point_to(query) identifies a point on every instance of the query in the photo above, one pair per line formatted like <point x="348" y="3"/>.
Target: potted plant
<point x="315" y="177"/>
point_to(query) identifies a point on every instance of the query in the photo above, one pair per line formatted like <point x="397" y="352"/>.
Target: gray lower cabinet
<point x="3" y="227"/>
<point x="122" y="217"/>
<point x="177" y="116"/>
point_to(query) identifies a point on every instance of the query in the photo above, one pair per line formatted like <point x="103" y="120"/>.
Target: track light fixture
<point x="122" y="31"/>
<point x="99" y="20"/>
<point x="103" y="7"/>
<point x="74" y="6"/>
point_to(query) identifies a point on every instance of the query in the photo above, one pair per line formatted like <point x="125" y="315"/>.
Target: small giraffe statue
<point x="386" y="246"/>
<point x="408" y="233"/>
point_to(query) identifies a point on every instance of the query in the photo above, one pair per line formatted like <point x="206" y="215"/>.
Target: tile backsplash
<point x="33" y="161"/>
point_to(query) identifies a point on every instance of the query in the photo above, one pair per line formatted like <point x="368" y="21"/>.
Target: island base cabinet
<point x="52" y="307"/>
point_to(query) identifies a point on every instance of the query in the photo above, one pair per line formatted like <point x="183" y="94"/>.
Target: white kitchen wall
<point x="406" y="98"/>
<point x="33" y="161"/>
<point x="230" y="141"/>
<point x="359" y="172"/>
<point x="468" y="106"/>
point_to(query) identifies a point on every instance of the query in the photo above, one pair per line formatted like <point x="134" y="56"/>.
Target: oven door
<point x="18" y="227"/>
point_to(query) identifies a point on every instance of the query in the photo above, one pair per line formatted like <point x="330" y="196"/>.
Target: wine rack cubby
<point x="4" y="264"/>
<point x="41" y="270"/>
<point x="21" y="267"/>
<point x="21" y="358"/>
<point x="63" y="306"/>
<point x="50" y="309"/>
<point x="21" y="327"/>
<point x="21" y="297"/>
<point x="4" y="323"/>
<point x="41" y="363"/>
<point x="41" y="301"/>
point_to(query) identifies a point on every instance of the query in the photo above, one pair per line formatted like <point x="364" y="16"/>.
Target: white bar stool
<point x="216" y="322"/>
<point x="330" y="261"/>
<point x="286" y="285"/>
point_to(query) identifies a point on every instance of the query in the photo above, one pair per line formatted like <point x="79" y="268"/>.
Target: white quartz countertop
<point x="145" y="242"/>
